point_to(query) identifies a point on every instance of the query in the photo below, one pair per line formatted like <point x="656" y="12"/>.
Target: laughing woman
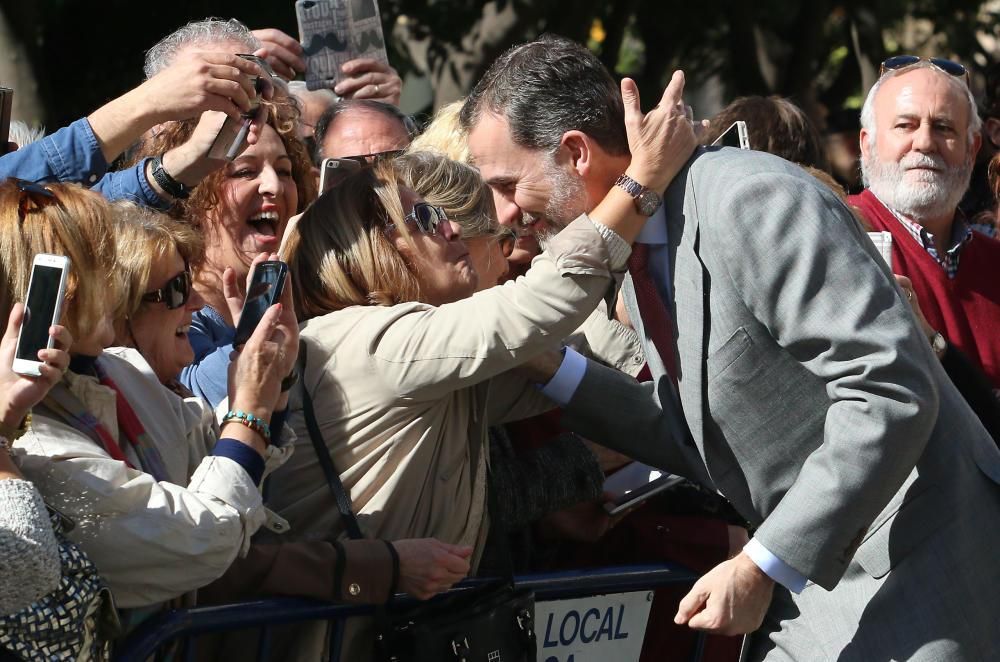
<point x="242" y="210"/>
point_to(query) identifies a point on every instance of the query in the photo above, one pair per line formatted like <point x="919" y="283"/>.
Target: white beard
<point x="919" y="195"/>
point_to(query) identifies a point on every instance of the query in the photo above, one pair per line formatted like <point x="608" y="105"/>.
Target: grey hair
<point x="24" y="135"/>
<point x="548" y="87"/>
<point x="208" y="31"/>
<point x="868" y="109"/>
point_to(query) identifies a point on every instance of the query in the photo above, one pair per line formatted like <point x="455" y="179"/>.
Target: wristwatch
<point x="174" y="188"/>
<point x="647" y="201"/>
<point x="939" y="344"/>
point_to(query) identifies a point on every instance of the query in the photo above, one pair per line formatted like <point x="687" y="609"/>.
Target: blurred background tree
<point x="66" y="57"/>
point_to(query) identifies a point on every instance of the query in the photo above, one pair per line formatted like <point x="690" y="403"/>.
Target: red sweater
<point x="965" y="309"/>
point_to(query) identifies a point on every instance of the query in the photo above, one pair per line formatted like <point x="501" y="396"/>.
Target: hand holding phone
<point x="335" y="32"/>
<point x="635" y="483"/>
<point x="264" y="290"/>
<point x="46" y="291"/>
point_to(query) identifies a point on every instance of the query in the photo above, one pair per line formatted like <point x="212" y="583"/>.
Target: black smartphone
<point x="264" y="291"/>
<point x="43" y="307"/>
<point x="334" y="171"/>
<point x="6" y="101"/>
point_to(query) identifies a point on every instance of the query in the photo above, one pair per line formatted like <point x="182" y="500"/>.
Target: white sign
<point x="593" y="629"/>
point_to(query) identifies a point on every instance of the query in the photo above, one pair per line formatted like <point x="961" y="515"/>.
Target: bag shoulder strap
<point x="323" y="454"/>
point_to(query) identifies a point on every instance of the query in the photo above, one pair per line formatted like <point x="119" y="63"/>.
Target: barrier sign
<point x="593" y="629"/>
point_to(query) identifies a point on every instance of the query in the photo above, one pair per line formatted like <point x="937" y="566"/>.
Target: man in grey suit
<point x="789" y="375"/>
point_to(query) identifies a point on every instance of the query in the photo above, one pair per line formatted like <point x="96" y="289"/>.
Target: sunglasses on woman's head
<point x="427" y="218"/>
<point x="34" y="193"/>
<point x="175" y="293"/>
<point x="903" y="61"/>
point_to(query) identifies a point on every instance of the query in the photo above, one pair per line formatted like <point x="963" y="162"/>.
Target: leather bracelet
<point x="174" y="188"/>
<point x="249" y="420"/>
<point x="288" y="382"/>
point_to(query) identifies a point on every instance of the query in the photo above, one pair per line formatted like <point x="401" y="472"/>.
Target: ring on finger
<point x="376" y="88"/>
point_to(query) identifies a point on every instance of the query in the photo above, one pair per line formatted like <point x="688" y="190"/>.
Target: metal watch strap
<point x="630" y="186"/>
<point x="174" y="188"/>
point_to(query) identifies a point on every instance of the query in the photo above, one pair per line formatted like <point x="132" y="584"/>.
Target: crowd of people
<point x="481" y="321"/>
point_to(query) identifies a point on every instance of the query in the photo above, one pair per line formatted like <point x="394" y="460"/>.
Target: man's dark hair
<point x="330" y="115"/>
<point x="775" y="125"/>
<point x="548" y="87"/>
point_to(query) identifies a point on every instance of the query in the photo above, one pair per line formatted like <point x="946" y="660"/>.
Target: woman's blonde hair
<point x="339" y="254"/>
<point x="76" y="223"/>
<point x="455" y="187"/>
<point x="444" y="134"/>
<point x="144" y="236"/>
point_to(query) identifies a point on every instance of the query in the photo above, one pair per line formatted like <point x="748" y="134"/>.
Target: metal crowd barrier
<point x="185" y="625"/>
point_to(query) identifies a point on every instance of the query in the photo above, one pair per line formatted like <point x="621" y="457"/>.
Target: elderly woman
<point x="153" y="248"/>
<point x="241" y="210"/>
<point x="407" y="364"/>
<point x="129" y="460"/>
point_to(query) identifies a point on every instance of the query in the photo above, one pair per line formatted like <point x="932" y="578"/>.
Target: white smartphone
<point x="735" y="136"/>
<point x="635" y="483"/>
<point x="46" y="291"/>
<point x="883" y="242"/>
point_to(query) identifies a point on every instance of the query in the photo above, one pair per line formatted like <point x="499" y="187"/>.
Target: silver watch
<point x="647" y="201"/>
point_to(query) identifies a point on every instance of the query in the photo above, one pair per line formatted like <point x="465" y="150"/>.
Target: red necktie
<point x="656" y="318"/>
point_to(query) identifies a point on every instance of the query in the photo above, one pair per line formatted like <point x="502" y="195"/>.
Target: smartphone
<point x="6" y="101"/>
<point x="735" y="136"/>
<point x="264" y="291"/>
<point x="634" y="483"/>
<point x="333" y="32"/>
<point x="333" y="171"/>
<point x="883" y="242"/>
<point x="231" y="139"/>
<point x="43" y="308"/>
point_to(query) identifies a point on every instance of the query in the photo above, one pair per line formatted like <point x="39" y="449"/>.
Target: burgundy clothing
<point x="965" y="309"/>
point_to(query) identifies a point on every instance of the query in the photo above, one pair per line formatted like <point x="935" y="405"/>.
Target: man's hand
<point x="367" y="78"/>
<point x="197" y="82"/>
<point x="428" y="566"/>
<point x="281" y="51"/>
<point x="731" y="599"/>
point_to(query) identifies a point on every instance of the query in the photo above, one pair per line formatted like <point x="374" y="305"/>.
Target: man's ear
<point x="865" y="139"/>
<point x="579" y="148"/>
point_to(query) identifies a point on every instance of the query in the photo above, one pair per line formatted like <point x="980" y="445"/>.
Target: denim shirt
<point x="212" y="340"/>
<point x="72" y="154"/>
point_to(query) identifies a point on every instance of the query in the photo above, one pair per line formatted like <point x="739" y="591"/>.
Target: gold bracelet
<point x="13" y="434"/>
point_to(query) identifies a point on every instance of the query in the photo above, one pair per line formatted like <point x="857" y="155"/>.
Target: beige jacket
<point x="151" y="541"/>
<point x="404" y="395"/>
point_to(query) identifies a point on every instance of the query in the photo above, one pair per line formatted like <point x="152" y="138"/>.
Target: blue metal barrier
<point x="186" y="624"/>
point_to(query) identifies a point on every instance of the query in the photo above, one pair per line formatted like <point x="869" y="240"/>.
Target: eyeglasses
<point x="175" y="293"/>
<point x="35" y="193"/>
<point x="904" y="61"/>
<point x="427" y="217"/>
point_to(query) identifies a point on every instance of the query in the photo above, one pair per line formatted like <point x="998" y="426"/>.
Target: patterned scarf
<point x="69" y="408"/>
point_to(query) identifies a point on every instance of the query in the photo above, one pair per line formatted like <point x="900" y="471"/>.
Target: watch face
<point x="648" y="202"/>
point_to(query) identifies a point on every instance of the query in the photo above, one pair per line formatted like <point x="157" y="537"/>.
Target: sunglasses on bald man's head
<point x="903" y="61"/>
<point x="175" y="293"/>
<point x="426" y="217"/>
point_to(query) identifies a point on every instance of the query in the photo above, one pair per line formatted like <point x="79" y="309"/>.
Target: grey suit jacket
<point x="811" y="399"/>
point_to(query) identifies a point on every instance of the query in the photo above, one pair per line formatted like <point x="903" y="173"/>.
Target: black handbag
<point x="493" y="622"/>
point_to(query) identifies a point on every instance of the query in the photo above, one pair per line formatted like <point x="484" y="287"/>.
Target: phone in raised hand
<point x="42" y="309"/>
<point x="266" y="285"/>
<point x="735" y="136"/>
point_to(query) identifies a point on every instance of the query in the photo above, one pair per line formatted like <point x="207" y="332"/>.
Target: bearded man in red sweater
<point x="919" y="139"/>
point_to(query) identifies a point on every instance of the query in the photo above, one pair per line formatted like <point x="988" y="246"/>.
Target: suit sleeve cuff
<point x="774" y="567"/>
<point x="242" y="455"/>
<point x="561" y="388"/>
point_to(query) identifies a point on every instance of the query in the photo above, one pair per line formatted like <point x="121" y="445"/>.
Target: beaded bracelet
<point x="249" y="420"/>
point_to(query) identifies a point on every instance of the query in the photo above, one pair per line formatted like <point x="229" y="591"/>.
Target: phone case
<point x="249" y="322"/>
<point x="333" y="32"/>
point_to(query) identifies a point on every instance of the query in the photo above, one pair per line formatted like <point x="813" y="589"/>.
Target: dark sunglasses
<point x="175" y="293"/>
<point x="34" y="193"/>
<point x="903" y="61"/>
<point x="427" y="217"/>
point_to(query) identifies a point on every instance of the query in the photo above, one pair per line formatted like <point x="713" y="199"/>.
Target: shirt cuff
<point x="242" y="455"/>
<point x="561" y="388"/>
<point x="774" y="567"/>
<point x="618" y="249"/>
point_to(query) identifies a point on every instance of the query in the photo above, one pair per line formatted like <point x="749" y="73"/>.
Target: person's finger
<point x="700" y="128"/>
<point x="456" y="565"/>
<point x="14" y="321"/>
<point x="709" y="619"/>
<point x="277" y="65"/>
<point x="630" y="99"/>
<point x="458" y="550"/>
<point x="54" y="357"/>
<point x="61" y="336"/>
<point x="674" y="92"/>
<point x="262" y="334"/>
<point x="354" y="84"/>
<point x="227" y="90"/>
<point x="692" y="603"/>
<point x="364" y="64"/>
<point x="261" y="257"/>
<point x="279" y="38"/>
<point x="283" y="60"/>
<point x="50" y="374"/>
